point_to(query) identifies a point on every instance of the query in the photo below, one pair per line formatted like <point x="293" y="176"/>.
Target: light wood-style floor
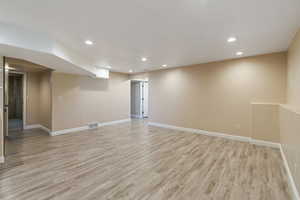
<point x="133" y="161"/>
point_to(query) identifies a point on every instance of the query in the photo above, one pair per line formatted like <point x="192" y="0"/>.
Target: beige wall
<point x="33" y="98"/>
<point x="79" y="100"/>
<point x="45" y="106"/>
<point x="290" y="139"/>
<point x="265" y="122"/>
<point x="290" y="114"/>
<point x="217" y="96"/>
<point x="38" y="102"/>
<point x="293" y="86"/>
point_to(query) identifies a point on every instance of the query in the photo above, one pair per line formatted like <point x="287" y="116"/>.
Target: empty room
<point x="150" y="100"/>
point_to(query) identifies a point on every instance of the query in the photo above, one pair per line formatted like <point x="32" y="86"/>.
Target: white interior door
<point x="145" y="98"/>
<point x="1" y="110"/>
<point x="5" y="94"/>
<point x="136" y="106"/>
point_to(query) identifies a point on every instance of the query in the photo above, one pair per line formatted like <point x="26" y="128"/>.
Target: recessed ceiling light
<point x="130" y="70"/>
<point x="239" y="53"/>
<point x="231" y="39"/>
<point x="108" y="67"/>
<point x="144" y="59"/>
<point x="89" y="42"/>
<point x="164" y="65"/>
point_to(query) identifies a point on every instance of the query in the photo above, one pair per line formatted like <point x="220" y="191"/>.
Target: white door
<point x="136" y="103"/>
<point x="1" y="110"/>
<point x="145" y="98"/>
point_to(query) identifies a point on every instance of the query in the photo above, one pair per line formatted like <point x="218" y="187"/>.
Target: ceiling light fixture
<point x="164" y="65"/>
<point x="130" y="71"/>
<point x="144" y="59"/>
<point x="239" y="53"/>
<point x="89" y="42"/>
<point x="231" y="39"/>
<point x="108" y="67"/>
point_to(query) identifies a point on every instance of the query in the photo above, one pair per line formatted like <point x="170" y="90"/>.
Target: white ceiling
<point x="172" y="32"/>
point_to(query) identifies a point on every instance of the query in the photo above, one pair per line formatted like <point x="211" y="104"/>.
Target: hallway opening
<point x="139" y="99"/>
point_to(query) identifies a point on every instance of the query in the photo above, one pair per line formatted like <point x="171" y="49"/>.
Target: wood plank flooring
<point x="133" y="161"/>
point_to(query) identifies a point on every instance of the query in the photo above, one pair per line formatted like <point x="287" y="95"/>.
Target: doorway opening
<point x="16" y="97"/>
<point x="26" y="102"/>
<point x="139" y="99"/>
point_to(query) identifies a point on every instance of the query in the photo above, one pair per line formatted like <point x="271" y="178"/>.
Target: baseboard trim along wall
<point x="290" y="177"/>
<point x="238" y="138"/>
<point x="114" y="122"/>
<point x="33" y="126"/>
<point x="70" y="130"/>
<point x="217" y="134"/>
<point x="82" y="128"/>
<point x="265" y="143"/>
<point x="1" y="159"/>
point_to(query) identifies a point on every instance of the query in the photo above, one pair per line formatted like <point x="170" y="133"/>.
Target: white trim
<point x="244" y="139"/>
<point x="2" y="159"/>
<point x="217" y="134"/>
<point x="141" y="84"/>
<point x="33" y="126"/>
<point x="45" y="129"/>
<point x="290" y="177"/>
<point x="202" y="132"/>
<point x="24" y="99"/>
<point x="114" y="122"/>
<point x="82" y="128"/>
<point x="265" y="143"/>
<point x="70" y="130"/>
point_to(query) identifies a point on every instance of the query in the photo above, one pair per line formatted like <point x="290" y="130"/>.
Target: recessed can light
<point x="164" y="65"/>
<point x="239" y="53"/>
<point x="144" y="59"/>
<point x="231" y="39"/>
<point x="130" y="71"/>
<point x="108" y="67"/>
<point x="89" y="42"/>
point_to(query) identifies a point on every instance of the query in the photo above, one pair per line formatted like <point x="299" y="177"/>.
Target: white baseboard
<point x="202" y="132"/>
<point x="82" y="128"/>
<point x="45" y="129"/>
<point x="1" y="159"/>
<point x="70" y="130"/>
<point x="217" y="134"/>
<point x="265" y="143"/>
<point x="243" y="139"/>
<point x="290" y="177"/>
<point x="33" y="126"/>
<point x="114" y="122"/>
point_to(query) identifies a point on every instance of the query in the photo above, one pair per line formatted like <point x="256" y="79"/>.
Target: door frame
<point x="2" y="132"/>
<point x="24" y="85"/>
<point x="142" y="100"/>
<point x="140" y="83"/>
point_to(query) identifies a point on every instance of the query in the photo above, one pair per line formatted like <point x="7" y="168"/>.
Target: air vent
<point x="93" y="125"/>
